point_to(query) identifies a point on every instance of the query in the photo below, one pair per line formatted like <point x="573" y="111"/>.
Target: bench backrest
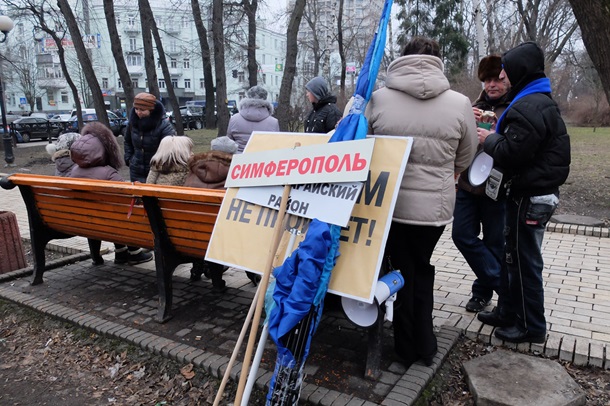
<point x="114" y="211"/>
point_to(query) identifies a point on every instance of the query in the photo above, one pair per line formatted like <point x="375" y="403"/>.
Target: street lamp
<point x="6" y="24"/>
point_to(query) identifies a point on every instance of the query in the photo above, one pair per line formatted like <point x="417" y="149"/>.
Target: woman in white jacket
<point x="418" y="102"/>
<point x="255" y="114"/>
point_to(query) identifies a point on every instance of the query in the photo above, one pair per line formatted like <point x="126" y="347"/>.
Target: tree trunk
<point x="163" y="62"/>
<point x="85" y="61"/>
<point x="250" y="9"/>
<point x="117" y="53"/>
<point x="219" y="67"/>
<point x="202" y="33"/>
<point x="149" y="55"/>
<point x="341" y="51"/>
<point x="593" y="17"/>
<point x="290" y="67"/>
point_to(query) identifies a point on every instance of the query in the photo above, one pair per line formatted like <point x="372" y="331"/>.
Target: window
<point x="117" y="18"/>
<point x="135" y="83"/>
<point x="119" y="84"/>
<point x="173" y="47"/>
<point x="161" y="84"/>
<point x="264" y="78"/>
<point x="186" y="64"/>
<point x="50" y="95"/>
<point x="173" y="63"/>
<point x="187" y="83"/>
<point x="201" y="83"/>
<point x="175" y="83"/>
<point x="264" y="59"/>
<point x="241" y="77"/>
<point x="104" y="83"/>
<point x="134" y="60"/>
<point x="133" y="44"/>
<point x="64" y="96"/>
<point x="131" y="21"/>
<point x="185" y="22"/>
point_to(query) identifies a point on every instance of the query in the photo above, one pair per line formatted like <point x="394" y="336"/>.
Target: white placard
<point x="329" y="202"/>
<point x="334" y="162"/>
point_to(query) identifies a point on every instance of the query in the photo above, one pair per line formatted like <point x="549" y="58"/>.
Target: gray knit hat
<point x="318" y="87"/>
<point x="64" y="141"/>
<point x="257" y="92"/>
<point x="224" y="144"/>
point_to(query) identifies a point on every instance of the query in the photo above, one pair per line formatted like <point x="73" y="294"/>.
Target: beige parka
<point x="418" y="102"/>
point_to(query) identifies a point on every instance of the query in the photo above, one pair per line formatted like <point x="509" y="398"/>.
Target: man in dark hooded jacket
<point x="325" y="114"/>
<point x="532" y="146"/>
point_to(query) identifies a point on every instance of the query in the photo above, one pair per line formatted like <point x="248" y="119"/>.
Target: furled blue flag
<point x="302" y="281"/>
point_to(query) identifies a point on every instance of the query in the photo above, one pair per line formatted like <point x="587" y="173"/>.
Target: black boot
<point x="499" y="317"/>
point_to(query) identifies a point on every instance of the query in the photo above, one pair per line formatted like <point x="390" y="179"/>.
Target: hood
<point x="255" y="109"/>
<point x="318" y="87"/>
<point x="522" y="65"/>
<point x="88" y="152"/>
<point x="420" y="76"/>
<point x="110" y="150"/>
<point x="211" y="166"/>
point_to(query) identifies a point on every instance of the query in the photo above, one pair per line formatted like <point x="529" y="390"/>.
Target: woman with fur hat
<point x="255" y="114"/>
<point x="147" y="126"/>
<point x="209" y="170"/>
<point x="325" y="115"/>
<point x="60" y="153"/>
<point x="97" y="156"/>
<point x="169" y="165"/>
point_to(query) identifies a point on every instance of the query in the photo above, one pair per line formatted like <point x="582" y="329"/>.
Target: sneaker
<point x="476" y="304"/>
<point x="139" y="257"/>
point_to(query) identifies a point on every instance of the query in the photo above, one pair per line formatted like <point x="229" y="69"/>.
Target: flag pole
<point x="261" y="298"/>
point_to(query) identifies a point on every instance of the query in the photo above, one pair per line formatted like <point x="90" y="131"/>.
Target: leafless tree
<point x="219" y="67"/>
<point x="210" y="120"/>
<point x="85" y="61"/>
<point x="117" y="53"/>
<point x="290" y="65"/>
<point x="146" y="20"/>
<point x="593" y="17"/>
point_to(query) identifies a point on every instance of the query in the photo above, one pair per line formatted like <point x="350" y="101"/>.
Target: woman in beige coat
<point x="418" y="102"/>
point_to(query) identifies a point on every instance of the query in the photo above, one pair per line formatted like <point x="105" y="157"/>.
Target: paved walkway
<point x="577" y="301"/>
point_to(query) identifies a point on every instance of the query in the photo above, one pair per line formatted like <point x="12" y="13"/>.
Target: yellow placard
<point x="243" y="231"/>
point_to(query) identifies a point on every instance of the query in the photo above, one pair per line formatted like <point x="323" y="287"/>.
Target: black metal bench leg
<point x="39" y="242"/>
<point x="165" y="269"/>
<point x="373" y="354"/>
<point x="94" y="249"/>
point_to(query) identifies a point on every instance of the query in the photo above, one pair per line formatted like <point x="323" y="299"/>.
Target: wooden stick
<point x="240" y="340"/>
<point x="261" y="299"/>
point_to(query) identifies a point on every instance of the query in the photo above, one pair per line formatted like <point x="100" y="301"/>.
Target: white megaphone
<point x="481" y="167"/>
<point x="366" y="314"/>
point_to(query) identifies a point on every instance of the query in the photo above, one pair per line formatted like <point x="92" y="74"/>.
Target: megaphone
<point x="480" y="168"/>
<point x="366" y="314"/>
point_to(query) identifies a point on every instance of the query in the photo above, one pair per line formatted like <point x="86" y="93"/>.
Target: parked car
<point x="192" y="117"/>
<point x="60" y="117"/>
<point x="17" y="138"/>
<point x="117" y="124"/>
<point x="35" y="127"/>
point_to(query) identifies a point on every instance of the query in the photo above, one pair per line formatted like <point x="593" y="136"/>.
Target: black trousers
<point x="409" y="249"/>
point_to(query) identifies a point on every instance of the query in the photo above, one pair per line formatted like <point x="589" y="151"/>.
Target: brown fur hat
<point x="490" y="67"/>
<point x="108" y="140"/>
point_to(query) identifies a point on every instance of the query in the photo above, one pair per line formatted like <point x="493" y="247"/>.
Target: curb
<point x="577" y="229"/>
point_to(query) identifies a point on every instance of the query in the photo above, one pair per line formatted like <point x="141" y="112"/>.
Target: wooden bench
<point x="176" y="222"/>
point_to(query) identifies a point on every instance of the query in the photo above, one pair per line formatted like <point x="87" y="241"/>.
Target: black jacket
<point x="142" y="140"/>
<point x="324" y="116"/>
<point x="532" y="144"/>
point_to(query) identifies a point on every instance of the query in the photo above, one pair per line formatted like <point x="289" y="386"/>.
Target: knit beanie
<point x="224" y="144"/>
<point x="490" y="67"/>
<point x="144" y="101"/>
<point x="257" y="92"/>
<point x="64" y="141"/>
<point x="318" y="87"/>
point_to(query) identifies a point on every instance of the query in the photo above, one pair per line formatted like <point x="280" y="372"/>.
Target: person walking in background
<point x="209" y="170"/>
<point x="60" y="153"/>
<point x="147" y="126"/>
<point x="417" y="101"/>
<point x="325" y="115"/>
<point x="169" y="166"/>
<point x="474" y="209"/>
<point x="532" y="146"/>
<point x="255" y="114"/>
<point x="97" y="156"/>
